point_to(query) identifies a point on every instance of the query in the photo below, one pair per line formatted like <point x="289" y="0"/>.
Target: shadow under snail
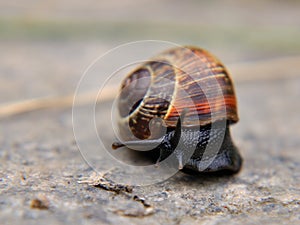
<point x="188" y="92"/>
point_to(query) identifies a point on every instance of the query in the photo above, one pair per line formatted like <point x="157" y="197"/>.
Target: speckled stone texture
<point x="39" y="160"/>
<point x="44" y="51"/>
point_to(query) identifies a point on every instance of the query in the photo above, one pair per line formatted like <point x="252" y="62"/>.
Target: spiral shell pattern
<point x="177" y="79"/>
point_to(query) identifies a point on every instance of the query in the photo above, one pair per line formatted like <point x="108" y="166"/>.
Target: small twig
<point x="101" y="181"/>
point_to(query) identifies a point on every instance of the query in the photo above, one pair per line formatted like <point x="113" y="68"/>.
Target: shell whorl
<point x="176" y="79"/>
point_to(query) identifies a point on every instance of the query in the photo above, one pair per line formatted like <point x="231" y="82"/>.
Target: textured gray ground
<point x="40" y="160"/>
<point x="40" y="165"/>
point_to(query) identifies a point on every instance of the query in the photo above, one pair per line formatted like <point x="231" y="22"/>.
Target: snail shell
<point x="151" y="92"/>
<point x="192" y="94"/>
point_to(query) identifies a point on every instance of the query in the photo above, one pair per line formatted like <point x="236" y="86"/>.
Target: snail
<point x="188" y="92"/>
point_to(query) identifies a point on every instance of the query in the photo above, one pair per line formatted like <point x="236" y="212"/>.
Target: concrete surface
<point x="43" y="177"/>
<point x="40" y="161"/>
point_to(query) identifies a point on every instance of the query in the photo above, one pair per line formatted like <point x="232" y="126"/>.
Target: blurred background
<point x="46" y="45"/>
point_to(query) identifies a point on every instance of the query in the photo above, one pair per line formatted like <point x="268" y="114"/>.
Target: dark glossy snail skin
<point x="152" y="91"/>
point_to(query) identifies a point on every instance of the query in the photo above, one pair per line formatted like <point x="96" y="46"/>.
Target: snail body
<point x="190" y="93"/>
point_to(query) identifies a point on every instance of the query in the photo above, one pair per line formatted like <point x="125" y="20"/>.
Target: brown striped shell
<point x="179" y="78"/>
